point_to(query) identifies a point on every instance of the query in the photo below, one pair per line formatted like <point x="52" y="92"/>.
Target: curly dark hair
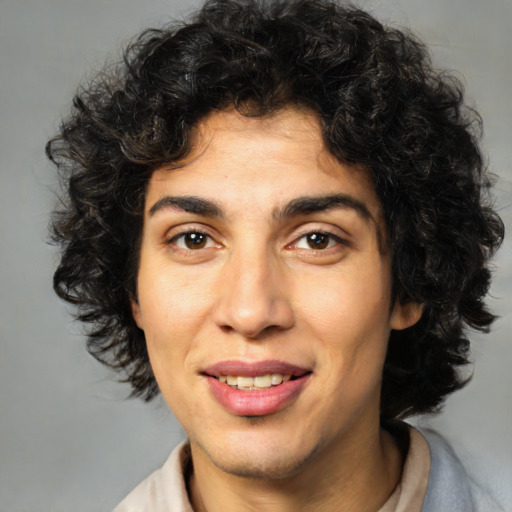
<point x="382" y="105"/>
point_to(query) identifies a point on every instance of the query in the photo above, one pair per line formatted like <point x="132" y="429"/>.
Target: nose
<point x="253" y="298"/>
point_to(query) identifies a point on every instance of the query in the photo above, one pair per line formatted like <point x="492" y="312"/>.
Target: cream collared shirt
<point x="165" y="489"/>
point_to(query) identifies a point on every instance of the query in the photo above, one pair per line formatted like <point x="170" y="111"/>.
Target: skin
<point x="256" y="290"/>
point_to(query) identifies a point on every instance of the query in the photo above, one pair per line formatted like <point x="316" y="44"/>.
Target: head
<point x="382" y="114"/>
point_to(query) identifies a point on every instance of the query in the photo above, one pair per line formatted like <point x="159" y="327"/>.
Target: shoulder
<point x="164" y="490"/>
<point x="450" y="487"/>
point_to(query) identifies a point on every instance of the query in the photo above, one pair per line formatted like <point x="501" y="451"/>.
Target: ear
<point x="405" y="315"/>
<point x="136" y="313"/>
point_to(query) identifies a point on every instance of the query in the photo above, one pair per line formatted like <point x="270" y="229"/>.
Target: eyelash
<point x="193" y="232"/>
<point x="332" y="240"/>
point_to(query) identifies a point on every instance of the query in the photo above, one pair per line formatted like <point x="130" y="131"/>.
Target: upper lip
<point x="254" y="369"/>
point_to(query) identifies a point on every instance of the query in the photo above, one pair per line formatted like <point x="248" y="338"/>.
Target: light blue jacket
<point x="450" y="488"/>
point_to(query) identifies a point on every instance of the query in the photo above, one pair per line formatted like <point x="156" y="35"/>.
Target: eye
<point x="192" y="241"/>
<point x="318" y="241"/>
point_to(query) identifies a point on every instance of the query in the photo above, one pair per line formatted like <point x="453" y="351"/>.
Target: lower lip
<point x="256" y="403"/>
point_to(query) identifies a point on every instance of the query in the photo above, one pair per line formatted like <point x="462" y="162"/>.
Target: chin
<point x="262" y="461"/>
<point x="273" y="468"/>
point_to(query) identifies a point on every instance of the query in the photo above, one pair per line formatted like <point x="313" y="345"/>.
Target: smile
<point x="254" y="383"/>
<point x="256" y="389"/>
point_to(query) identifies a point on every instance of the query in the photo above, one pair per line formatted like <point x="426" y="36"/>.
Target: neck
<point x="357" y="479"/>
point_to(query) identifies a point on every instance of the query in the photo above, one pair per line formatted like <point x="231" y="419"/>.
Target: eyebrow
<point x="303" y="205"/>
<point x="306" y="205"/>
<point x="190" y="204"/>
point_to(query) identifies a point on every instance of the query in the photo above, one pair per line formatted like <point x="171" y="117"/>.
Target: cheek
<point x="349" y="316"/>
<point x="347" y="303"/>
<point x="170" y="299"/>
<point x="174" y="307"/>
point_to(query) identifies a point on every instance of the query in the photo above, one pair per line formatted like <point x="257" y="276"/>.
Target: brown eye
<point x="318" y="240"/>
<point x="195" y="240"/>
<point x="192" y="240"/>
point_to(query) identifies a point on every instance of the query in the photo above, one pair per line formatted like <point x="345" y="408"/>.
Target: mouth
<point x="256" y="389"/>
<point x="254" y="383"/>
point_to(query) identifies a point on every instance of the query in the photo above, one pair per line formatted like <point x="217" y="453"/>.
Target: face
<point x="264" y="292"/>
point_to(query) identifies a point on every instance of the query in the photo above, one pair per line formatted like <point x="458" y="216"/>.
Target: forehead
<point x="264" y="162"/>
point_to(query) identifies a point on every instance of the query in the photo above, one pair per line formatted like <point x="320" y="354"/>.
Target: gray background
<point x="68" y="439"/>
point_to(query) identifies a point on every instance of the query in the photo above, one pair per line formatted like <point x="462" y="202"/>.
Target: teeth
<point x="262" y="381"/>
<point x="254" y="383"/>
<point x="276" y="379"/>
<point x="245" y="382"/>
